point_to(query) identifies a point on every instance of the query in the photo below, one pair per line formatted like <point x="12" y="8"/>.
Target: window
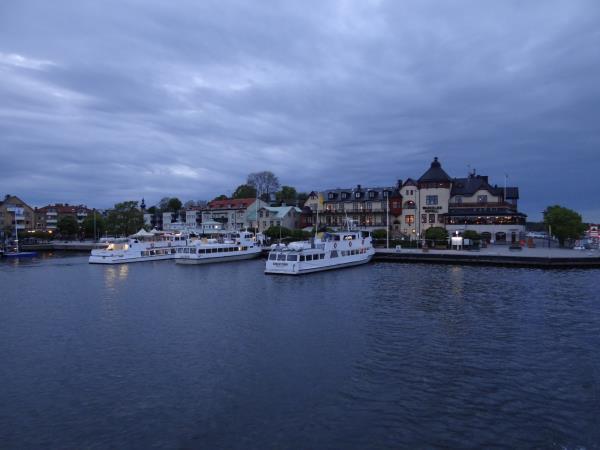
<point x="386" y="194"/>
<point x="309" y="257"/>
<point x="272" y="257"/>
<point x="440" y="218"/>
<point x="431" y="218"/>
<point x="369" y="206"/>
<point x="292" y="257"/>
<point x="302" y="258"/>
<point x="280" y="257"/>
<point x="423" y="218"/>
<point x="482" y="199"/>
<point x="322" y="256"/>
<point x="330" y="196"/>
<point x="410" y="219"/>
<point x="334" y="254"/>
<point x="344" y="195"/>
<point x="431" y="200"/>
<point x="372" y="194"/>
<point x="357" y="195"/>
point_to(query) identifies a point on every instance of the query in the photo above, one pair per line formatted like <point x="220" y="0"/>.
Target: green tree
<point x="287" y="194"/>
<point x="163" y="204"/>
<point x="244" y="191"/>
<point x="275" y="232"/>
<point x="564" y="223"/>
<point x="87" y="225"/>
<point x="124" y="219"/>
<point x="436" y="234"/>
<point x="220" y="197"/>
<point x="67" y="226"/>
<point x="174" y="204"/>
<point x="301" y="197"/>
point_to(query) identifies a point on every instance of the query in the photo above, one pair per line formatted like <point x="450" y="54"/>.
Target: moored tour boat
<point x="222" y="248"/>
<point x="329" y="251"/>
<point x="141" y="246"/>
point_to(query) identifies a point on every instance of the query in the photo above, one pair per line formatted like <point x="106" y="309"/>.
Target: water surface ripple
<point x="156" y="355"/>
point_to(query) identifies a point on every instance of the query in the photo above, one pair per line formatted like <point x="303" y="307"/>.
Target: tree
<point x="87" y="225"/>
<point x="244" y="191"/>
<point x="301" y="198"/>
<point x="436" y="234"/>
<point x="124" y="219"/>
<point x="67" y="226"/>
<point x="220" y="197"/>
<point x="274" y="232"/>
<point x="564" y="223"/>
<point x="264" y="182"/>
<point x="189" y="204"/>
<point x="174" y="205"/>
<point x="287" y="194"/>
<point x="152" y="210"/>
<point x="163" y="205"/>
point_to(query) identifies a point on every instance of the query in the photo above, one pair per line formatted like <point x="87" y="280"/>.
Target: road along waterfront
<point x="221" y="356"/>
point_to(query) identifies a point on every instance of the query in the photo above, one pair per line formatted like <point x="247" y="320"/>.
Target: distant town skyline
<point x="112" y="101"/>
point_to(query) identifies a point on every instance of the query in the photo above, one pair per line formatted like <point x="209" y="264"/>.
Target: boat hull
<point x="217" y="259"/>
<point x="126" y="260"/>
<point x="301" y="271"/>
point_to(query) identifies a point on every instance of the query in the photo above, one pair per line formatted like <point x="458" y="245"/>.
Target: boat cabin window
<point x="280" y="257"/>
<point x="309" y="257"/>
<point x="334" y="254"/>
<point x="321" y="255"/>
<point x="302" y="258"/>
<point x="272" y="257"/>
<point x="292" y="257"/>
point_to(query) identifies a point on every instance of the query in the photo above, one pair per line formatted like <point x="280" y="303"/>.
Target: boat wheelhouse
<point x="325" y="252"/>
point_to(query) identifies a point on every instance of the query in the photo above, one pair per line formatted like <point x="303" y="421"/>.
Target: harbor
<point x="136" y="355"/>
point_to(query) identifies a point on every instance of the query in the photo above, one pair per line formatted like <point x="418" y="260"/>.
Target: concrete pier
<point x="497" y="256"/>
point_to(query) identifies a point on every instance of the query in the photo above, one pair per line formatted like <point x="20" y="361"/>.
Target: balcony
<point x="481" y="205"/>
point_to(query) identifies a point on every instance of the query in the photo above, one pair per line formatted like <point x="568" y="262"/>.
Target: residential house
<point x="275" y="216"/>
<point x="15" y="213"/>
<point x="232" y="213"/>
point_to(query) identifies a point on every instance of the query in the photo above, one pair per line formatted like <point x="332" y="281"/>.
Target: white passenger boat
<point x="142" y="246"/>
<point x="222" y="248"/>
<point x="329" y="251"/>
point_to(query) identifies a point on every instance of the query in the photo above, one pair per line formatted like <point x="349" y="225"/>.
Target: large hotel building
<point x="435" y="199"/>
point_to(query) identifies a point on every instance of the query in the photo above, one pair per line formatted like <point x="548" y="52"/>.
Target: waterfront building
<point x="489" y="210"/>
<point x="232" y="213"/>
<point x="15" y="213"/>
<point x="433" y="197"/>
<point x="47" y="217"/>
<point x="408" y="217"/>
<point x="366" y="207"/>
<point x="275" y="216"/>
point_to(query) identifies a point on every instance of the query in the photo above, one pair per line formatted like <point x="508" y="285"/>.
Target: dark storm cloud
<point x="104" y="101"/>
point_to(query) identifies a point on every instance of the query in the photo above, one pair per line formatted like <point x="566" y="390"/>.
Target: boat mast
<point x="16" y="231"/>
<point x="387" y="222"/>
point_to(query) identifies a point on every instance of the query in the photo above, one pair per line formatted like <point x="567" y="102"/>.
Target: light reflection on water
<point x="222" y="356"/>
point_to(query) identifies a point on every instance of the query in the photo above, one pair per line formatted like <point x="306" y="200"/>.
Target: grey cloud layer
<point x="103" y="101"/>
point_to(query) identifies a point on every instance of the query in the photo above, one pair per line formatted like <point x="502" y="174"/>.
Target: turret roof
<point x="435" y="173"/>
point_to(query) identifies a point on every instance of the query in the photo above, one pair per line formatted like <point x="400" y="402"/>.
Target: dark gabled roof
<point x="468" y="186"/>
<point x="409" y="182"/>
<point x="435" y="173"/>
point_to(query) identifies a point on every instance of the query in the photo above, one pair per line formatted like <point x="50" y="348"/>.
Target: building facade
<point x="367" y="207"/>
<point x="275" y="216"/>
<point x="232" y="213"/>
<point x="47" y="217"/>
<point x="15" y="214"/>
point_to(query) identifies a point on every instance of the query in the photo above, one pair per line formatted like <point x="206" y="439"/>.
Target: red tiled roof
<point x="231" y="203"/>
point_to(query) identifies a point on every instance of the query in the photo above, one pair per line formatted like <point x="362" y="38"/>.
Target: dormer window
<point x="386" y="194"/>
<point x="344" y="195"/>
<point x="372" y="194"/>
<point x="357" y="195"/>
<point x="331" y="196"/>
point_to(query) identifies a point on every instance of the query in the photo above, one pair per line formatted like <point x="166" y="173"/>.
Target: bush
<point x="436" y="234"/>
<point x="379" y="234"/>
<point x="275" y="232"/>
<point x="472" y="235"/>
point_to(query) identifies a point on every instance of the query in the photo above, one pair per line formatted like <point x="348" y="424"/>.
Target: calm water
<point x="156" y="355"/>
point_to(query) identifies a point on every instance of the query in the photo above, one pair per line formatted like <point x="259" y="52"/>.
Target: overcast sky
<point x="103" y="101"/>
